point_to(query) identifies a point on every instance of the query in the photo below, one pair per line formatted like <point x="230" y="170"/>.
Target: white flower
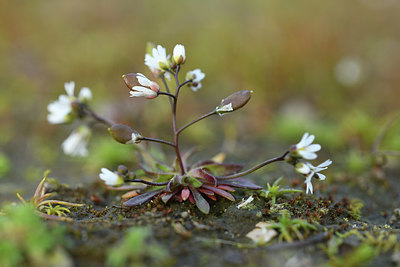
<point x="196" y="76"/>
<point x="246" y="202"/>
<point x="224" y="109"/>
<point x="312" y="171"/>
<point x="305" y="149"/>
<point x="61" y="110"/>
<point x="146" y="88"/>
<point x="110" y="178"/>
<point x="323" y="166"/>
<point x="158" y="61"/>
<point x="77" y="141"/>
<point x="179" y="54"/>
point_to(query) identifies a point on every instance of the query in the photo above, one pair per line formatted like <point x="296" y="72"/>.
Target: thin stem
<point x="196" y="120"/>
<point x="184" y="83"/>
<point x="262" y="164"/>
<point x="157" y="141"/>
<point x="91" y="113"/>
<point x="146" y="182"/>
<point x="176" y="134"/>
<point x="167" y="94"/>
<point x="167" y="89"/>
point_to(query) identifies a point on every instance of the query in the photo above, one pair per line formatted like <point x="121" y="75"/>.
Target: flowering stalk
<point x="258" y="166"/>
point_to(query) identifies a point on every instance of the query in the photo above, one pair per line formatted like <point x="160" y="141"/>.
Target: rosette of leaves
<point x="203" y="180"/>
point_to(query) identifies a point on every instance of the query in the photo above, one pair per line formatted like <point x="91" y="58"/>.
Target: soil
<point x="219" y="238"/>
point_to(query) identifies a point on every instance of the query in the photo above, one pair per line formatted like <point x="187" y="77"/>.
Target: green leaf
<point x="193" y="181"/>
<point x="164" y="177"/>
<point x="201" y="203"/>
<point x="163" y="168"/>
<point x="222" y="169"/>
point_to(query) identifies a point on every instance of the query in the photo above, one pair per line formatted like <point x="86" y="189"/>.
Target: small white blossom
<point x="246" y="202"/>
<point x="158" y="61"/>
<point x="312" y="171"/>
<point x="179" y="55"/>
<point x="147" y="88"/>
<point x="305" y="149"/>
<point x="110" y="178"/>
<point x="224" y="109"/>
<point x="61" y="110"/>
<point x="77" y="142"/>
<point x="323" y="166"/>
<point x="196" y="76"/>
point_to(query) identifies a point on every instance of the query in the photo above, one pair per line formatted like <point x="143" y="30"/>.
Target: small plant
<point x="290" y="228"/>
<point x="44" y="207"/>
<point x="182" y="180"/>
<point x="273" y="191"/>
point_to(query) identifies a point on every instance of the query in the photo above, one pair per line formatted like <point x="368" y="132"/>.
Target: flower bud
<point x="124" y="134"/>
<point x="234" y="102"/>
<point x="122" y="169"/>
<point x="179" y="56"/>
<point x="140" y="85"/>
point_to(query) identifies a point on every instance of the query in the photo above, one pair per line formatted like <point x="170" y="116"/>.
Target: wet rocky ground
<point x="356" y="222"/>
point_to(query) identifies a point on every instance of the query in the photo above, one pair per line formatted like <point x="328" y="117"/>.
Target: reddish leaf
<point x="240" y="183"/>
<point x="226" y="188"/>
<point x="205" y="191"/>
<point x="191" y="199"/>
<point x="185" y="193"/>
<point x="201" y="203"/>
<point x="213" y="197"/>
<point x="220" y="192"/>
<point x="140" y="199"/>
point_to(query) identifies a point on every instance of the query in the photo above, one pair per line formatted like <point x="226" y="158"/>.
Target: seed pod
<point x="233" y="102"/>
<point x="124" y="134"/>
<point x="238" y="99"/>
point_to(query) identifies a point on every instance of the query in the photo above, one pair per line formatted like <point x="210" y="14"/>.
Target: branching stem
<point x="262" y="164"/>
<point x="197" y="120"/>
<point x="157" y="141"/>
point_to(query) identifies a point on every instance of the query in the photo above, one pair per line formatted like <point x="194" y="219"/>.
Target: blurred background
<point x="327" y="67"/>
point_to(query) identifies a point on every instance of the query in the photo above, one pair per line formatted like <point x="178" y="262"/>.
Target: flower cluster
<point x="306" y="150"/>
<point x="66" y="108"/>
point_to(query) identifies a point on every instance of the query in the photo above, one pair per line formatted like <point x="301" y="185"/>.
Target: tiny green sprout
<point x="273" y="191"/>
<point x="56" y="210"/>
<point x="40" y="204"/>
<point x="291" y="227"/>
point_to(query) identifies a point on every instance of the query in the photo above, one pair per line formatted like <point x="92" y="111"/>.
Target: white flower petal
<point x="109" y="177"/>
<point x="69" y="88"/>
<point x="77" y="141"/>
<point x="321" y="176"/>
<point x="307" y="155"/>
<point x="85" y="94"/>
<point x="313" y="148"/>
